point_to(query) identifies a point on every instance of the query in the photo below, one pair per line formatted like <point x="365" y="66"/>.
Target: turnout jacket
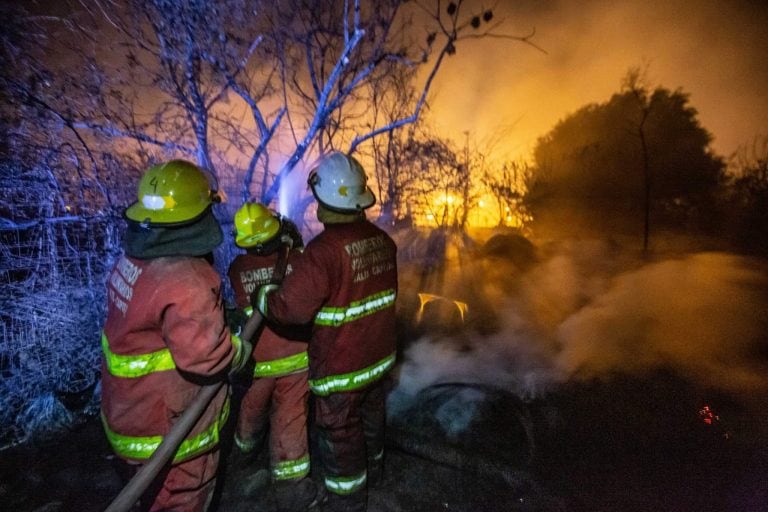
<point x="281" y="349"/>
<point x="346" y="283"/>
<point x="164" y="337"/>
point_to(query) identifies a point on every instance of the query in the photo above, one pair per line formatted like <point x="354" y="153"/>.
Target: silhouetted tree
<point x="635" y="82"/>
<point x="506" y="183"/>
<point x="433" y="180"/>
<point x="745" y="212"/>
<point x="592" y="174"/>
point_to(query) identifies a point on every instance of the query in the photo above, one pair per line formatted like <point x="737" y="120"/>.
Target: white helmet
<point x="339" y="183"/>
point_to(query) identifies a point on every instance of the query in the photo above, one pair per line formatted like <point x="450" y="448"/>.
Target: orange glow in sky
<point x="713" y="50"/>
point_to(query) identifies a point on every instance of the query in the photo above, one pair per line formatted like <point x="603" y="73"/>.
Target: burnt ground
<point x="621" y="444"/>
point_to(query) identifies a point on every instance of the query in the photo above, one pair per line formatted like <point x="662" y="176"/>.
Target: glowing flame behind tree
<point x="438" y="185"/>
<point x="506" y="186"/>
<point x="434" y="181"/>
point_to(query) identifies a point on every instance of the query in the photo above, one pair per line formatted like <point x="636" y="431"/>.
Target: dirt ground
<point x="626" y="444"/>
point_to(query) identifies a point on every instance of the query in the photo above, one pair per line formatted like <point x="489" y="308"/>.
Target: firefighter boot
<point x="355" y="502"/>
<point x="295" y="495"/>
<point x="247" y="449"/>
<point x="375" y="472"/>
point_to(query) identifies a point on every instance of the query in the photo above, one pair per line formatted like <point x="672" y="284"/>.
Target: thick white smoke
<point x="588" y="310"/>
<point x="702" y="314"/>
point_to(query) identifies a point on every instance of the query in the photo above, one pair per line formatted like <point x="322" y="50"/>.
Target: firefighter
<point x="346" y="284"/>
<point x="165" y="335"/>
<point x="278" y="394"/>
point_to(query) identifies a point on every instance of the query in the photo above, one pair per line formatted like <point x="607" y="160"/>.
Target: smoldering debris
<point x="596" y="357"/>
<point x="589" y="309"/>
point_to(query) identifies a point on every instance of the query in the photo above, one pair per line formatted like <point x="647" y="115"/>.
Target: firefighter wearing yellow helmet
<point x="276" y="400"/>
<point x="255" y="224"/>
<point x="257" y="229"/>
<point x="172" y="193"/>
<point x="165" y="334"/>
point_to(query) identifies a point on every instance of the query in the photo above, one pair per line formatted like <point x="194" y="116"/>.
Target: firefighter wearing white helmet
<point x="339" y="183"/>
<point x="345" y="283"/>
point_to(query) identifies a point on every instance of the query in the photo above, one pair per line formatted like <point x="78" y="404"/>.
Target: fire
<point x="707" y="415"/>
<point x="446" y="209"/>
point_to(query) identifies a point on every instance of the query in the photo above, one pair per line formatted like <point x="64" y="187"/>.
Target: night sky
<point x="715" y="50"/>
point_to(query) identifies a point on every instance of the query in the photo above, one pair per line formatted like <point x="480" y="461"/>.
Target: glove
<point x="259" y="297"/>
<point x="291" y="232"/>
<point x="243" y="350"/>
<point x="235" y="318"/>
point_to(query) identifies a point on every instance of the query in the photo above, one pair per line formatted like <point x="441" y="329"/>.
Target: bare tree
<point x="239" y="84"/>
<point x="745" y="208"/>
<point x="636" y="83"/>
<point x="506" y="184"/>
<point x="434" y="180"/>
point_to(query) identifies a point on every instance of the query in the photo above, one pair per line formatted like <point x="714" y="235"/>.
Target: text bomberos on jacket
<point x="122" y="280"/>
<point x="253" y="278"/>
<point x="370" y="257"/>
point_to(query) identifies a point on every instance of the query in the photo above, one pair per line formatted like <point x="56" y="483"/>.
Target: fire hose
<point x="164" y="453"/>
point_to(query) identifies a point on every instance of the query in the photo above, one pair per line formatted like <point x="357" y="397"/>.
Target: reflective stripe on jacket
<point x="278" y="367"/>
<point x="352" y="380"/>
<point x="136" y="365"/>
<point x="280" y="350"/>
<point x="141" y="448"/>
<point x="335" y="316"/>
<point x="345" y="282"/>
<point x="284" y="366"/>
<point x="165" y="323"/>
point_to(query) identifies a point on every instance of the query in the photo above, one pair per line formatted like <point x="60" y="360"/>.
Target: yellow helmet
<point x="175" y="192"/>
<point x="255" y="224"/>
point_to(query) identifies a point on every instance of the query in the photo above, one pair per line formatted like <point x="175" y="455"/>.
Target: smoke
<point x="714" y="50"/>
<point x="702" y="314"/>
<point x="591" y="310"/>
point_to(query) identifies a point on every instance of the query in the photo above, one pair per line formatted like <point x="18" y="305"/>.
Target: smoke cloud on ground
<point x="589" y="310"/>
<point x="703" y="314"/>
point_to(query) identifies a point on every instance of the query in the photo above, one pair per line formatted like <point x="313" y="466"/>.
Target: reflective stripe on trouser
<point x="349" y="426"/>
<point x="283" y="366"/>
<point x="353" y="380"/>
<point x="345" y="484"/>
<point x="281" y="402"/>
<point x="142" y="447"/>
<point x="245" y="445"/>
<point x="288" y="469"/>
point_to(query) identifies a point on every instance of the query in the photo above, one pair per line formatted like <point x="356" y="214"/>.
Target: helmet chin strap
<point x="268" y="247"/>
<point x="328" y="215"/>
